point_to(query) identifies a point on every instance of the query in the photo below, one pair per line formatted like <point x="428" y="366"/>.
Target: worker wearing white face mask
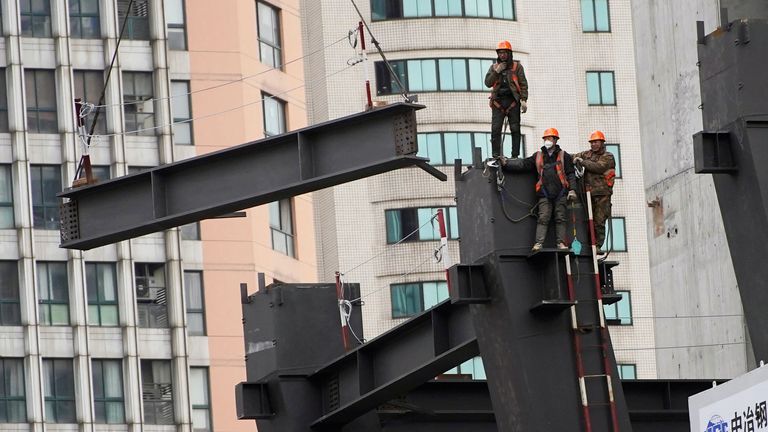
<point x="556" y="175"/>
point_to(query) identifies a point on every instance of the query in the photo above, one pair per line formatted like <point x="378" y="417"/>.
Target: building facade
<point x="143" y="334"/>
<point x="580" y="67"/>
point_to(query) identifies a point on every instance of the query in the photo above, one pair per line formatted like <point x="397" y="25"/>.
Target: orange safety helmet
<point x="504" y="45"/>
<point x="551" y="132"/>
<point x="597" y="136"/>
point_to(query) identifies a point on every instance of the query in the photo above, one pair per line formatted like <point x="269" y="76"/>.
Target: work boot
<point x="562" y="246"/>
<point x="536" y="247"/>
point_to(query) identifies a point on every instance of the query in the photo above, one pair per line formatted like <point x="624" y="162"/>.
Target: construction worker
<point x="508" y="99"/>
<point x="599" y="173"/>
<point x="556" y="177"/>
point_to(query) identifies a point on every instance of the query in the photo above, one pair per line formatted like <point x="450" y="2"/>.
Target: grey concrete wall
<point x="699" y="328"/>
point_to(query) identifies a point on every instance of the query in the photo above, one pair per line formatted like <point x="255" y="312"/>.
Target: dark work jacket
<point x="549" y="180"/>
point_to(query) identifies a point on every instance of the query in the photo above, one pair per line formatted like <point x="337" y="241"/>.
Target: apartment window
<point x="101" y="281"/>
<point x="600" y="88"/>
<point x="3" y="99"/>
<point x="595" y="16"/>
<point x="6" y="197"/>
<point x="615" y="150"/>
<point x="193" y="290"/>
<point x="627" y="371"/>
<point x="200" y="398"/>
<point x="274" y="115"/>
<point x="35" y="18"/>
<point x="419" y="224"/>
<point x="393" y="9"/>
<point x="152" y="305"/>
<point x="13" y="406"/>
<point x="59" y="390"/>
<point x="10" y="311"/>
<point x="190" y="231"/>
<point x="442" y="148"/>
<point x="473" y="368"/>
<point x="615" y="235"/>
<point x="40" y="89"/>
<point x="137" y="103"/>
<point x="177" y="34"/>
<point x="182" y="113"/>
<point x="101" y="172"/>
<point x="619" y="313"/>
<point x="409" y="299"/>
<point x="429" y="75"/>
<point x="84" y="19"/>
<point x="157" y="392"/>
<point x="46" y="183"/>
<point x="53" y="293"/>
<point x="137" y="18"/>
<point x="270" y="49"/>
<point x="108" y="400"/>
<point x="88" y="87"/>
<point x="281" y="226"/>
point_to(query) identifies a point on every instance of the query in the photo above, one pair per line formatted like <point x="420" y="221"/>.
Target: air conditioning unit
<point x="145" y="293"/>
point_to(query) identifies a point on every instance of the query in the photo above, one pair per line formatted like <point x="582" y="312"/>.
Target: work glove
<point x="572" y="196"/>
<point x="523" y="106"/>
<point x="577" y="160"/>
<point x="498" y="67"/>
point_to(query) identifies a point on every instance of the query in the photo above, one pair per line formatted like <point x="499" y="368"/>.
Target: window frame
<point x="609" y="232"/>
<point x="55" y="398"/>
<point x="206" y="407"/>
<point x="433" y="12"/>
<point x="5" y="396"/>
<point x="131" y="19"/>
<point x="594" y="16"/>
<point x="43" y="269"/>
<point x="448" y="225"/>
<point x="99" y="303"/>
<point x="10" y="300"/>
<point x="4" y="122"/>
<point x="485" y="147"/>
<point x="36" y="110"/>
<point x="82" y="75"/>
<point x="280" y="229"/>
<point x="32" y="15"/>
<point x="6" y="170"/>
<point x="283" y="114"/>
<point x="422" y="300"/>
<point x="136" y="100"/>
<point x="382" y="72"/>
<point x="277" y="50"/>
<point x="80" y="16"/>
<point x="616" y="157"/>
<point x="197" y="311"/>
<point x="163" y="399"/>
<point x="621" y="366"/>
<point x="600" y="87"/>
<point x="106" y="400"/>
<point x="45" y="205"/>
<point x="183" y="121"/>
<point x="619" y="320"/>
<point x="177" y="26"/>
<point x="148" y="269"/>
<point x="190" y="228"/>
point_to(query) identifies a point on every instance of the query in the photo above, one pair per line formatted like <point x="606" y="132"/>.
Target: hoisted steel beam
<point x="316" y="157"/>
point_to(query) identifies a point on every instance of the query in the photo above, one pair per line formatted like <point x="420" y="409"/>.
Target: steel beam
<point x="316" y="157"/>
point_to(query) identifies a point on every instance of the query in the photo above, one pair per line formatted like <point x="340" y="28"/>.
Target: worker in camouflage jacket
<point x="599" y="173"/>
<point x="508" y="99"/>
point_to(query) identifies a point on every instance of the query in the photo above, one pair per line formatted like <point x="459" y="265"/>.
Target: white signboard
<point x="736" y="406"/>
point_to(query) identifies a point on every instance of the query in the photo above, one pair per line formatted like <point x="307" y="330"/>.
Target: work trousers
<point x="546" y="208"/>
<point x="601" y="212"/>
<point x="497" y="124"/>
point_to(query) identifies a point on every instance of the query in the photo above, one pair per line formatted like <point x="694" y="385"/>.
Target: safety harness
<point x="512" y="75"/>
<point x="559" y="168"/>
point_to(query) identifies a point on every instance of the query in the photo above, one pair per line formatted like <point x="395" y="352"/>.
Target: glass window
<point x="174" y="15"/>
<point x="40" y="90"/>
<point x="473" y="368"/>
<point x="101" y="282"/>
<point x="620" y="312"/>
<point x="13" y="405"/>
<point x="595" y="16"/>
<point x="616" y="151"/>
<point x="427" y="75"/>
<point x="195" y="299"/>
<point x="409" y="299"/>
<point x="627" y="371"/>
<point x="281" y="226"/>
<point x="6" y="197"/>
<point x="190" y="231"/>
<point x="137" y="18"/>
<point x="101" y="172"/>
<point x="442" y="148"/>
<point x="108" y="402"/>
<point x="417" y="8"/>
<point x="268" y="19"/>
<point x="392" y="9"/>
<point x="274" y="115"/>
<point x="53" y="293"/>
<point x="138" y="103"/>
<point x="615" y="235"/>
<point x="84" y="19"/>
<point x="59" y="390"/>
<point x="417" y="224"/>
<point x="46" y="183"/>
<point x="157" y="392"/>
<point x="35" y="18"/>
<point x="3" y="100"/>
<point x="88" y="87"/>
<point x="477" y="70"/>
<point x="453" y="74"/>
<point x="200" y="398"/>
<point x="10" y="312"/>
<point x="182" y="112"/>
<point x="600" y="88"/>
<point x="151" y="301"/>
<point x="422" y="75"/>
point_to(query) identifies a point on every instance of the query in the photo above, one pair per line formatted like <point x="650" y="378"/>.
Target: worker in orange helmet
<point x="508" y="99"/>
<point x="556" y="179"/>
<point x="599" y="173"/>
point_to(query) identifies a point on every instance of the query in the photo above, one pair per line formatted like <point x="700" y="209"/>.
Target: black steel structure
<point x="316" y="157"/>
<point x="734" y="147"/>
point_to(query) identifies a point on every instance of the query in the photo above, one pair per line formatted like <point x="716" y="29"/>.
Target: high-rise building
<point x="579" y="61"/>
<point x="143" y="332"/>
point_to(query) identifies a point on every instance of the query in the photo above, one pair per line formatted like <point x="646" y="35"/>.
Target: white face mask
<point x="548" y="144"/>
